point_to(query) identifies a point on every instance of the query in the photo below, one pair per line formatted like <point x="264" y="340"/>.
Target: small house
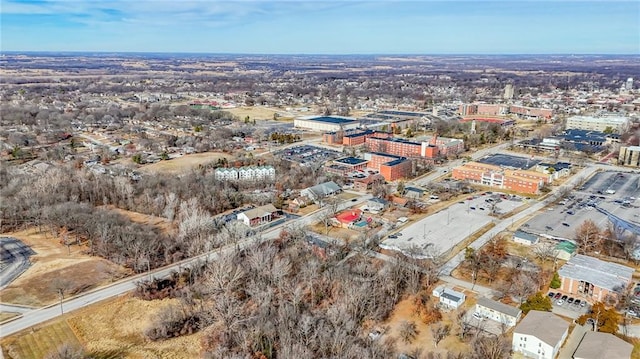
<point x="449" y="297"/>
<point x="525" y="238"/>
<point x="498" y="312"/>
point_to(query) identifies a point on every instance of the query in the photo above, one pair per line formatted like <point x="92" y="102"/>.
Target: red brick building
<point x="390" y="167"/>
<point x="360" y="138"/>
<point x="494" y="176"/>
<point x="402" y="148"/>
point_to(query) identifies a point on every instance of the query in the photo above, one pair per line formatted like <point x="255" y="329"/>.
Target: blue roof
<point x="351" y="160"/>
<point x="367" y="132"/>
<point x="402" y="113"/>
<point x="329" y="119"/>
<point x="526" y="236"/>
<point x="584" y="135"/>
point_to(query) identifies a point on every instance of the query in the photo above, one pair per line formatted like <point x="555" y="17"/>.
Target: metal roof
<point x="597" y="272"/>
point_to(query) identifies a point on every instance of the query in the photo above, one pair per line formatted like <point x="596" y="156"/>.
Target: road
<point x="15" y="259"/>
<point x="37" y="316"/>
<point x="503" y="225"/>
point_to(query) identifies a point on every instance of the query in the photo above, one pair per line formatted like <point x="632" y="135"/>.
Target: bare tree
<point x="439" y="332"/>
<point x="66" y="351"/>
<point x="408" y="331"/>
<point x="490" y="347"/>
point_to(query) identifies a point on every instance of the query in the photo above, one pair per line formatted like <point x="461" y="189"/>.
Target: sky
<point x="322" y="27"/>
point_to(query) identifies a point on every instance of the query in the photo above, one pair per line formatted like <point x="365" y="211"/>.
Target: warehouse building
<point x="326" y="123"/>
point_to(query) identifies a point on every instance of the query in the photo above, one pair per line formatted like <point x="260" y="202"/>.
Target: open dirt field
<point x="112" y="329"/>
<point x="184" y="163"/>
<point x="256" y="113"/>
<point x="56" y="265"/>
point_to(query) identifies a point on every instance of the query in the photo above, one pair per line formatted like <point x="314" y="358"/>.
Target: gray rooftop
<point x="596" y="345"/>
<point x="451" y="297"/>
<point x="526" y="236"/>
<point x="597" y="272"/>
<point x="545" y="326"/>
<point x="499" y="307"/>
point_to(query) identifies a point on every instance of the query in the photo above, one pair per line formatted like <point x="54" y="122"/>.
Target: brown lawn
<point x="184" y="163"/>
<point x="162" y="223"/>
<point x="53" y="265"/>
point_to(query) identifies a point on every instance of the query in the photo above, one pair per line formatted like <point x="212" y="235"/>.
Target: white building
<point x="540" y="335"/>
<point x="499" y="312"/>
<point x="247" y="173"/>
<point x="525" y="238"/>
<point x="592" y="123"/>
<point x="326" y="123"/>
<point x="259" y="215"/>
<point x="449" y="297"/>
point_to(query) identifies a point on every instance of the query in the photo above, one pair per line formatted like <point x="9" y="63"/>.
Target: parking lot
<point x="571" y="307"/>
<point x="614" y="192"/>
<point x="308" y="155"/>
<point x="441" y="231"/>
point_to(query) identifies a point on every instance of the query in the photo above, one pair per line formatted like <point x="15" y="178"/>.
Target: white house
<point x="449" y="297"/>
<point x="498" y="312"/>
<point x="525" y="238"/>
<point x="259" y="215"/>
<point x="540" y="335"/>
<point x="246" y="173"/>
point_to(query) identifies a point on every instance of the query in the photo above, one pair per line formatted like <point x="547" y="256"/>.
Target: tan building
<point x="629" y="156"/>
<point x="593" y="279"/>
<point x="596" y="345"/>
<point x="494" y="176"/>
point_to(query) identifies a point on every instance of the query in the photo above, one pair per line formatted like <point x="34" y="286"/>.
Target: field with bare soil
<point x="56" y="266"/>
<point x="184" y="163"/>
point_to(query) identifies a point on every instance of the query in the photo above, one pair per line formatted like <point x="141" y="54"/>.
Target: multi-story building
<point x="617" y="124"/>
<point x="520" y="111"/>
<point x="494" y="176"/>
<point x="498" y="312"/>
<point x="594" y="279"/>
<point x="540" y="335"/>
<point x="402" y="148"/>
<point x="390" y="167"/>
<point x="446" y="146"/>
<point x="345" y="165"/>
<point x="248" y="173"/>
<point x="629" y="156"/>
<point x="359" y="138"/>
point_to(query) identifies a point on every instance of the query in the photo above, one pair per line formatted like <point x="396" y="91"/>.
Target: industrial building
<point x="618" y="124"/>
<point x="326" y="123"/>
<point x="629" y="156"/>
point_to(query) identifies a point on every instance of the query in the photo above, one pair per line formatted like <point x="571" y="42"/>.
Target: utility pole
<point x="61" y="298"/>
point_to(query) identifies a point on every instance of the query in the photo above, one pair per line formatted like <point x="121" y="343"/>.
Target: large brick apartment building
<point x="594" y="279"/>
<point x="508" y="179"/>
<point x="391" y="167"/>
<point x="402" y="148"/>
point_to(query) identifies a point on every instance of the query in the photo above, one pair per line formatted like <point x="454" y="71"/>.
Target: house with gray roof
<point x="597" y="345"/>
<point x="323" y="190"/>
<point x="499" y="312"/>
<point x="540" y="335"/>
<point x="259" y="215"/>
<point x="594" y="279"/>
<point x="449" y="297"/>
<point x="525" y="238"/>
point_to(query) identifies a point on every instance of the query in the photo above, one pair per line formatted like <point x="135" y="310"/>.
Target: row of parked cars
<point x="561" y="299"/>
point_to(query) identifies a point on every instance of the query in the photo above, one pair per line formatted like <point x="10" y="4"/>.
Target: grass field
<point x="6" y="315"/>
<point x="184" y="163"/>
<point x="53" y="265"/>
<point x="111" y="329"/>
<point x="255" y="113"/>
<point x="36" y="344"/>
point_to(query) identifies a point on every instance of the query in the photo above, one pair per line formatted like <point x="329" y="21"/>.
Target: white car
<point x="560" y="302"/>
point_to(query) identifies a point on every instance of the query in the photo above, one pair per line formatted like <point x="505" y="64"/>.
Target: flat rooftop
<point x="597" y="272"/>
<point x="509" y="161"/>
<point x="330" y="119"/>
<point x="350" y="161"/>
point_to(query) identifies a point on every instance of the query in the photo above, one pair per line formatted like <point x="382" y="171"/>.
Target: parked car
<point x="584" y="303"/>
<point x="558" y="295"/>
<point x="393" y="236"/>
<point x="564" y="297"/>
<point x="570" y="212"/>
<point x="566" y="224"/>
<point x="551" y="294"/>
<point x="570" y="300"/>
<point x="472" y="207"/>
<point x="577" y="302"/>
<point x="478" y="316"/>
<point x="560" y="302"/>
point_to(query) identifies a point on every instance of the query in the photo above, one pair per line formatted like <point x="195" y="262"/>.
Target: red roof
<point x="349" y="216"/>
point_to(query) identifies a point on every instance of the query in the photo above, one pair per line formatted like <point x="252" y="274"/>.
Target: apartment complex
<point x="629" y="156"/>
<point x="600" y="123"/>
<point x="494" y="176"/>
<point x="445" y="145"/>
<point x="402" y="148"/>
<point x="540" y="335"/>
<point x="247" y="173"/>
<point x="359" y="138"/>
<point x="594" y="279"/>
<point x="390" y="167"/>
